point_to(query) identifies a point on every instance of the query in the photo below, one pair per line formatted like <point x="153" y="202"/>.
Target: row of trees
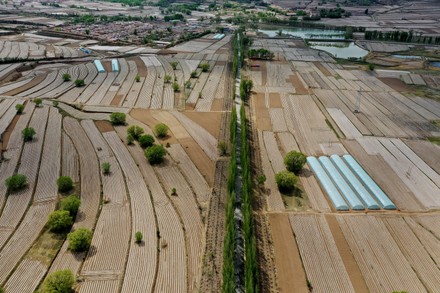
<point x="398" y="36"/>
<point x="286" y="180"/>
<point x="154" y="153"/>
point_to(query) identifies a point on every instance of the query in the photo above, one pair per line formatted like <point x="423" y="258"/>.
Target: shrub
<point x="79" y="82"/>
<point x="2" y="290"/>
<point x="55" y="103"/>
<point x="59" y="282"/>
<point x="70" y="204"/>
<point x="16" y="182"/>
<point x="130" y="139"/>
<point x="59" y="221"/>
<point x="146" y="140"/>
<point x="137" y="78"/>
<point x="286" y="181"/>
<point x="117" y="118"/>
<point x="38" y="102"/>
<point x="167" y="78"/>
<point x="173" y="191"/>
<point x="205" y="67"/>
<point x="155" y="154"/>
<point x="187" y="84"/>
<point x="66" y="77"/>
<point x="80" y="239"/>
<point x="64" y="183"/>
<point x="222" y="147"/>
<point x="135" y="131"/>
<point x="19" y="108"/>
<point x="174" y="65"/>
<point x="105" y="168"/>
<point x="295" y="161"/>
<point x="28" y="133"/>
<point x="138" y="237"/>
<point x="176" y="87"/>
<point x="371" y="66"/>
<point x="161" y="130"/>
<point x="193" y="74"/>
<point x="261" y="179"/>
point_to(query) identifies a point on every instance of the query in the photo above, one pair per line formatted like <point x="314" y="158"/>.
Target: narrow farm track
<point x="190" y="214"/>
<point x="90" y="193"/>
<point x="112" y="232"/>
<point x="18" y="202"/>
<point x="172" y="269"/>
<point x="142" y="259"/>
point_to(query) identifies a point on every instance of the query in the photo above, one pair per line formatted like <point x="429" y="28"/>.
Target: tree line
<point x="401" y="36"/>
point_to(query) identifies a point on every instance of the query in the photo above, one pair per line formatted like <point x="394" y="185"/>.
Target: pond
<point x="343" y="50"/>
<point x="305" y="33"/>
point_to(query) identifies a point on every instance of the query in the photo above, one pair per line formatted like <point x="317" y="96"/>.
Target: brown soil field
<point x="395" y="84"/>
<point x="142" y="69"/>
<point x="194" y="151"/>
<point x="297" y="84"/>
<point x="38" y="79"/>
<point x="217" y="105"/>
<point x="208" y="120"/>
<point x="104" y="126"/>
<point x="107" y="65"/>
<point x="290" y="272"/>
<point x="263" y="121"/>
<point x="274" y="100"/>
<point x="353" y="270"/>
<point x="116" y="100"/>
<point x="7" y="133"/>
<point x="322" y="68"/>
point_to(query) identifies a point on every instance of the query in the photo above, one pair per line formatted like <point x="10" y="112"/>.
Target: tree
<point x="295" y="161"/>
<point x="193" y="74"/>
<point x="146" y="140"/>
<point x="176" y="87"/>
<point x="79" y="82"/>
<point x="66" y="77"/>
<point x="59" y="282"/>
<point x="161" y="130"/>
<point x="286" y="181"/>
<point x="70" y="204"/>
<point x="80" y="239"/>
<point x="19" y="108"/>
<point x="167" y="78"/>
<point x="64" y="183"/>
<point x="38" y="102"/>
<point x="28" y="133"/>
<point x="55" y="103"/>
<point x="138" y="237"/>
<point x="16" y="182"/>
<point x="130" y="139"/>
<point x="187" y="84"/>
<point x="117" y="118"/>
<point x="371" y="66"/>
<point x="205" y="67"/>
<point x="173" y="191"/>
<point x="135" y="131"/>
<point x="137" y="78"/>
<point x="105" y="168"/>
<point x="155" y="154"/>
<point x="59" y="221"/>
<point x="174" y="65"/>
<point x="222" y="147"/>
<point x="366" y="11"/>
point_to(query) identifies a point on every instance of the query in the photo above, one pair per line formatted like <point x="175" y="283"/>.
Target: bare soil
<point x="31" y="84"/>
<point x="395" y="84"/>
<point x="298" y="85"/>
<point x="142" y="69"/>
<point x="217" y="105"/>
<point x="263" y="120"/>
<point x="351" y="266"/>
<point x="107" y="65"/>
<point x="275" y="100"/>
<point x="7" y="133"/>
<point x="104" y="126"/>
<point x="208" y="120"/>
<point x="322" y="68"/>
<point x="116" y="100"/>
<point x="290" y="272"/>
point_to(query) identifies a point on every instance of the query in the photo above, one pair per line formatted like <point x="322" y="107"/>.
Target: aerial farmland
<point x="219" y="147"/>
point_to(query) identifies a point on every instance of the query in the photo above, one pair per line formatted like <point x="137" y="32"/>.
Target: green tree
<point x="371" y="66"/>
<point x="79" y="82"/>
<point x="64" y="183"/>
<point x="167" y="78"/>
<point x="38" y="102"/>
<point x="19" y="108"/>
<point x="161" y="130"/>
<point x="286" y="181"/>
<point x="146" y="140"/>
<point x="70" y="204"/>
<point x="204" y="67"/>
<point x="59" y="221"/>
<point x="16" y="182"/>
<point x="130" y="139"/>
<point x="117" y="118"/>
<point x="155" y="154"/>
<point x="80" y="239"/>
<point x="176" y="87"/>
<point x="28" y="133"/>
<point x="59" y="282"/>
<point x="66" y="77"/>
<point x="193" y="74"/>
<point x="105" y="168"/>
<point x="137" y="78"/>
<point x="187" y="84"/>
<point x="135" y="131"/>
<point x="138" y="237"/>
<point x="295" y="161"/>
<point x="174" y="65"/>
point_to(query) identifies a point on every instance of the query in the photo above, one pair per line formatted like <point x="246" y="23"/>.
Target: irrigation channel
<point x="238" y="215"/>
